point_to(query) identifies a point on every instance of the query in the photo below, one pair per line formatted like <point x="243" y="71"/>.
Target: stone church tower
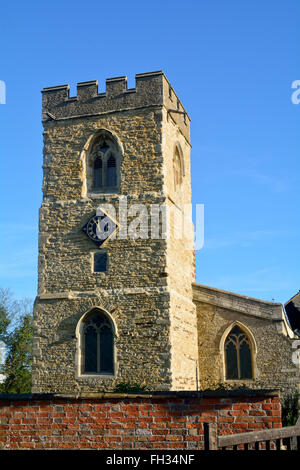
<point x="115" y="281"/>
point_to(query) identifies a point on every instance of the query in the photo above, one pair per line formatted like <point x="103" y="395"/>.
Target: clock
<point x="99" y="227"/>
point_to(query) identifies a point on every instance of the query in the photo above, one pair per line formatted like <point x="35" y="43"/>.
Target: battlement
<point x="152" y="89"/>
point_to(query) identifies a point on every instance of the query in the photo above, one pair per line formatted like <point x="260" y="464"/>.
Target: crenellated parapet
<point x="152" y="90"/>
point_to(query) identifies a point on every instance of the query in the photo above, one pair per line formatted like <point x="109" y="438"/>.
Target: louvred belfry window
<point x="98" y="173"/>
<point x="104" y="160"/>
<point x="111" y="172"/>
<point x="238" y="357"/>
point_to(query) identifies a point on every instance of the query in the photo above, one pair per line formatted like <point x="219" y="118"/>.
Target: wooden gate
<point x="287" y="438"/>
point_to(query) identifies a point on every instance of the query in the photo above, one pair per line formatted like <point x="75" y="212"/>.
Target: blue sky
<point x="231" y="63"/>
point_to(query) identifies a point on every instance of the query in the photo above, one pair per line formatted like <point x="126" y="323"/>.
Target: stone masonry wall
<point x="131" y="422"/>
<point x="134" y="288"/>
<point x="180" y="258"/>
<point x="273" y="366"/>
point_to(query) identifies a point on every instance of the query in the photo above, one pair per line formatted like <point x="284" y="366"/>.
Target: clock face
<point x="99" y="227"/>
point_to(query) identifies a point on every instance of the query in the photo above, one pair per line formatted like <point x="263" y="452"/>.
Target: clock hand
<point x="98" y="229"/>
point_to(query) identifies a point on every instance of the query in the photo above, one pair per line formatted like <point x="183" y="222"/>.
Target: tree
<point x="16" y="333"/>
<point x="290" y="409"/>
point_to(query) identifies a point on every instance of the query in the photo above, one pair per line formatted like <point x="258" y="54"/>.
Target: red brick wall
<point x="122" y="422"/>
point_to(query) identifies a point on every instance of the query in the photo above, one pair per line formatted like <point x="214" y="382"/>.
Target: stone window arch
<point x="103" y="163"/>
<point x="96" y="344"/>
<point x="239" y="353"/>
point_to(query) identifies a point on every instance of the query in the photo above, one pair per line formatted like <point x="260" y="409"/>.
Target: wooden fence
<point x="287" y="438"/>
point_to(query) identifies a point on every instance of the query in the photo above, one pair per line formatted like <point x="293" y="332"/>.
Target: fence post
<point x="210" y="436"/>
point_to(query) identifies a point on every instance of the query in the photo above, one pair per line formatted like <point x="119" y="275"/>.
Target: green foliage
<point x="16" y="334"/>
<point x="290" y="410"/>
<point x="124" y="387"/>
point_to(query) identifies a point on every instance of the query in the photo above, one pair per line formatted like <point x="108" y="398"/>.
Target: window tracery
<point x="238" y="355"/>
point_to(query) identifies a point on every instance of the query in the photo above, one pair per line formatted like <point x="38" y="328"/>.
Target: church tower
<point x="116" y="257"/>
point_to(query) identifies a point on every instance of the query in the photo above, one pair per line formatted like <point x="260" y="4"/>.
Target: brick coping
<point x="220" y="393"/>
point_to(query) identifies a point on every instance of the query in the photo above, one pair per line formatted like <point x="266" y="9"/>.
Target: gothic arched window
<point x="103" y="170"/>
<point x="98" y="345"/>
<point x="177" y="170"/>
<point x="238" y="355"/>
